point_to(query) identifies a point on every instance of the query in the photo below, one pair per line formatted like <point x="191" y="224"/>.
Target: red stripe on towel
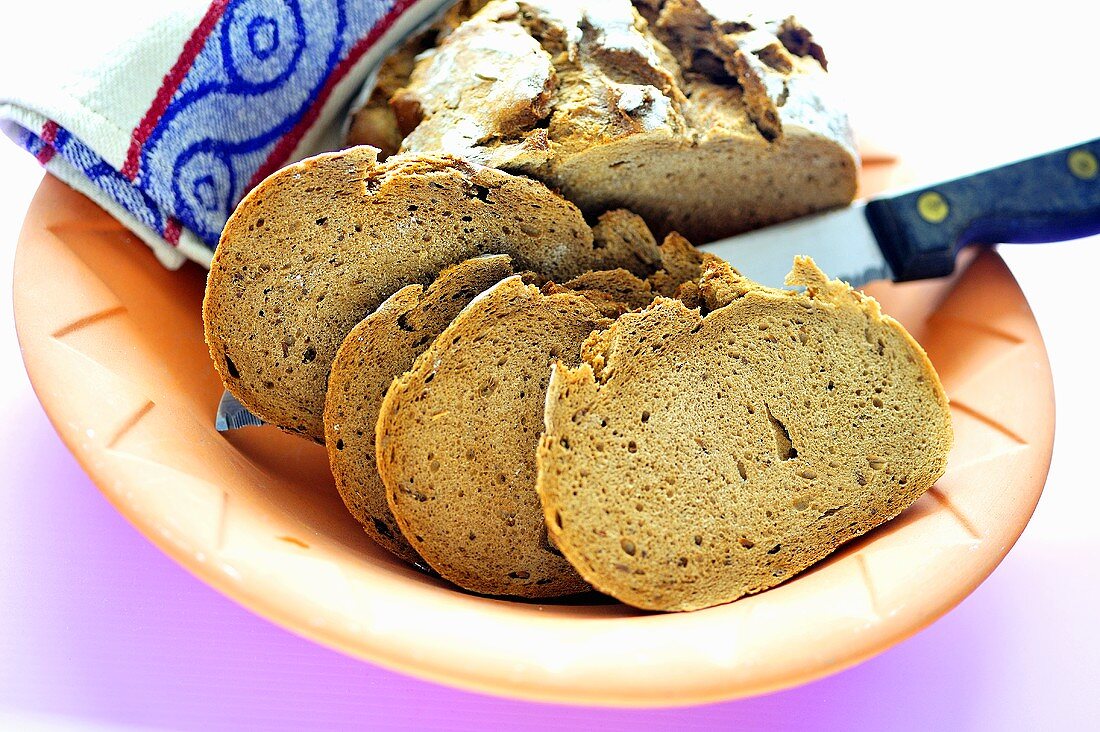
<point x="48" y="137"/>
<point x="172" y="228"/>
<point x="286" y="145"/>
<point x="169" y="85"/>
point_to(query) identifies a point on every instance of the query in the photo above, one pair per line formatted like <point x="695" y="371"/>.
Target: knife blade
<point x="917" y="234"/>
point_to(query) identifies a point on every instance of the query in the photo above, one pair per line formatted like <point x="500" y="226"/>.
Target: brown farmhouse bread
<point x="535" y="439"/>
<point x="319" y="245"/>
<point x="382" y="347"/>
<point x="703" y="124"/>
<point x="694" y="458"/>
<point x="456" y="440"/>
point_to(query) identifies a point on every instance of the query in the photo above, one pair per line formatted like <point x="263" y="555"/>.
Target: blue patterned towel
<point x="168" y="114"/>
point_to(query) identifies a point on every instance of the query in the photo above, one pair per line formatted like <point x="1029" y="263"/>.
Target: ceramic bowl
<point x="114" y="347"/>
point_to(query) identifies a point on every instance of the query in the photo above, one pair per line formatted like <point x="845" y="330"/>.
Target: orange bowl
<point x="113" y="345"/>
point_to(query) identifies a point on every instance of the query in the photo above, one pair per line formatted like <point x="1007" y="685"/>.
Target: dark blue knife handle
<point x="1052" y="197"/>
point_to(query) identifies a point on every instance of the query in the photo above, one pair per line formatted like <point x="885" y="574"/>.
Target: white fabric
<point x="118" y="57"/>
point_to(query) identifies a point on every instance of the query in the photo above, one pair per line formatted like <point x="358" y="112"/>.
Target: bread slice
<point x="380" y="348"/>
<point x="613" y="292"/>
<point x="692" y="459"/>
<point x="703" y="124"/>
<point x="680" y="263"/>
<point x="319" y="245"/>
<point x="457" y="434"/>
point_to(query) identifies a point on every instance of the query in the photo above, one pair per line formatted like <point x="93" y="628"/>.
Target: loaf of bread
<point x="703" y="124"/>
<point x="319" y="245"/>
<point x="380" y="348"/>
<point x="695" y="457"/>
<point x="456" y="440"/>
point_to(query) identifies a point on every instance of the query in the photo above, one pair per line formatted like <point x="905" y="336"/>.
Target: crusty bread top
<point x="590" y="87"/>
<point x="376" y="123"/>
<point x="507" y="92"/>
<point x="380" y="348"/>
<point x="456" y="440"/>
<point x="703" y="124"/>
<point x="768" y="60"/>
<point x="320" y="244"/>
<point x="692" y="458"/>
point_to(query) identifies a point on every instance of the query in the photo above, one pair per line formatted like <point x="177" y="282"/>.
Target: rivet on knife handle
<point x="1051" y="197"/>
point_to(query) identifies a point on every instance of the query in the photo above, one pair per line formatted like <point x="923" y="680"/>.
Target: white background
<point x="952" y="88"/>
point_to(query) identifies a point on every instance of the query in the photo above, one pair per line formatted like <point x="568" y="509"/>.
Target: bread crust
<point x="376" y="123"/>
<point x="702" y="124"/>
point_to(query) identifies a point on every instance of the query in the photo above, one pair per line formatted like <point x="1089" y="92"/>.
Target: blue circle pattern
<point x="263" y="37"/>
<point x="261" y="49"/>
<point x="260" y="70"/>
<point x="204" y="183"/>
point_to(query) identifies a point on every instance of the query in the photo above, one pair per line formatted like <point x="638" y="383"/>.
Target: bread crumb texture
<point x="457" y="435"/>
<point x="703" y="124"/>
<point x="696" y="456"/>
<point x="380" y="348"/>
<point x="384" y="345"/>
<point x="321" y="244"/>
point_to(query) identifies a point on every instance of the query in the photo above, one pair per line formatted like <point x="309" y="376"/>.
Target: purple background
<point x="96" y="625"/>
<point x="99" y="624"/>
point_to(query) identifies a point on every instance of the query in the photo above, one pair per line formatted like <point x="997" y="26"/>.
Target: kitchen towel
<point x="166" y="113"/>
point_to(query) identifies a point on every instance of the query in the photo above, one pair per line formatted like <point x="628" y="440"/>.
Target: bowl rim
<point x="466" y="663"/>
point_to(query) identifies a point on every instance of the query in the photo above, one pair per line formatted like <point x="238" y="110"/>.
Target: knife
<point x="916" y="234"/>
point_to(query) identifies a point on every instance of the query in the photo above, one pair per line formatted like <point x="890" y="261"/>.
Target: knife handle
<point x="1051" y="197"/>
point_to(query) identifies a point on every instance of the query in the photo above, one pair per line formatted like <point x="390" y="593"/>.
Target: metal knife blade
<point x="840" y="242"/>
<point x="916" y="234"/>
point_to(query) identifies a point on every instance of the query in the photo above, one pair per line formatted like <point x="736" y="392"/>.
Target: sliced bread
<point x="694" y="458"/>
<point x="380" y="348"/>
<point x="456" y="441"/>
<point x="613" y="292"/>
<point x="319" y="245"/>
